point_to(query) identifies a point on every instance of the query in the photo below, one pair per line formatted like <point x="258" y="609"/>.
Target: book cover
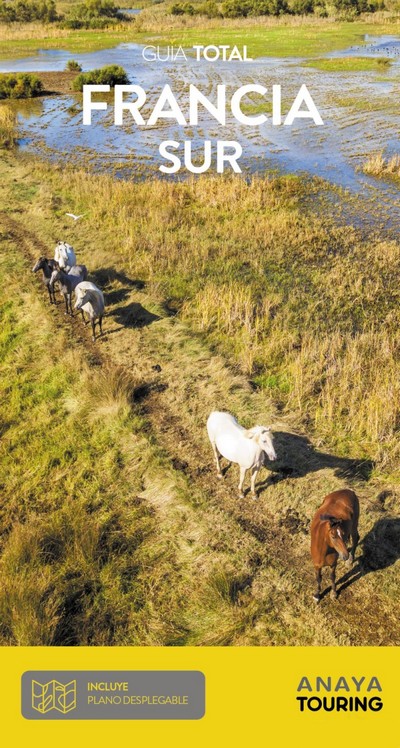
<point x="199" y="352"/>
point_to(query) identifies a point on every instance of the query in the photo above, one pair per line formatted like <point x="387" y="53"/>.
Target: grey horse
<point x="68" y="282"/>
<point x="90" y="299"/>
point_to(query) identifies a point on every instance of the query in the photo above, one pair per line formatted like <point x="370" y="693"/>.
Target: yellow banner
<point x="270" y="696"/>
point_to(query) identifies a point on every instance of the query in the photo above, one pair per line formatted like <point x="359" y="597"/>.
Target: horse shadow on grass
<point x="134" y="315"/>
<point x="104" y="277"/>
<point x="380" y="549"/>
<point x="296" y="457"/>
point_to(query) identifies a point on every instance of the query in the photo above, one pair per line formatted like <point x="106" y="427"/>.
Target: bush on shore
<point x="73" y="66"/>
<point x="93" y="14"/>
<point x="110" y="75"/>
<point x="19" y="85"/>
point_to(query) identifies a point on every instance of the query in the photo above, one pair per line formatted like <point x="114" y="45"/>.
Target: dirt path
<point x="259" y="549"/>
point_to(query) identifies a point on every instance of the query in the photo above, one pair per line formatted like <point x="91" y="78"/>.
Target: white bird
<point x="76" y="218"/>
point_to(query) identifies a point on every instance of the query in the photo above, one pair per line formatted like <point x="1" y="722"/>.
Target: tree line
<point x="88" y="14"/>
<point x="244" y="8"/>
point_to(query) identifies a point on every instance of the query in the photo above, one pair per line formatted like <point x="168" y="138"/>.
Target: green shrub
<point x="302" y="7"/>
<point x="177" y="9"/>
<point x="96" y="14"/>
<point x="346" y="9"/>
<point x="189" y="9"/>
<point x="73" y="66"/>
<point x="110" y="75"/>
<point x="209" y="9"/>
<point x="236" y="8"/>
<point x="19" y="85"/>
<point x="24" y="11"/>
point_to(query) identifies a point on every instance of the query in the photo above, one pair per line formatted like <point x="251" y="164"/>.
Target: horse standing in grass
<point x="246" y="447"/>
<point x="68" y="282"/>
<point x="47" y="267"/>
<point x="333" y="523"/>
<point x="65" y="256"/>
<point x="90" y="299"/>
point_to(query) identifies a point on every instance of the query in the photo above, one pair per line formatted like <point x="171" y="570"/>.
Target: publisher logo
<point x="53" y="695"/>
<point x="113" y="694"/>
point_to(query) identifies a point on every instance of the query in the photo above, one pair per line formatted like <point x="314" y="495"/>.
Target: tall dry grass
<point x="308" y="310"/>
<point x="8" y="124"/>
<point x="105" y="536"/>
<point x="155" y="19"/>
<point x="379" y="165"/>
<point x="99" y="540"/>
<point x="82" y="560"/>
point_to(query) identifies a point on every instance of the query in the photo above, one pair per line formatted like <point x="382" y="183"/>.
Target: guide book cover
<point x="200" y="372"/>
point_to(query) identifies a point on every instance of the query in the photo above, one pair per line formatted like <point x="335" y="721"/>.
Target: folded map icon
<point x="53" y="695"/>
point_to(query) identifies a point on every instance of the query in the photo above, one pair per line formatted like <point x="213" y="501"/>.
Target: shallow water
<point x="375" y="46"/>
<point x="360" y="113"/>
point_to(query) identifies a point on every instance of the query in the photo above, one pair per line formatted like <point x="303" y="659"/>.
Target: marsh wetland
<point x="358" y="102"/>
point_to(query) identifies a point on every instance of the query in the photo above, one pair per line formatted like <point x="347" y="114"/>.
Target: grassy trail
<point x="245" y="566"/>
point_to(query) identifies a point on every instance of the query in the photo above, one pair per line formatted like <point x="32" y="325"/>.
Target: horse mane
<point x="331" y="519"/>
<point x="256" y="431"/>
<point x="90" y="295"/>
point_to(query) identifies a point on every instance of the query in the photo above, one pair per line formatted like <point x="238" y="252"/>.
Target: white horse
<point x="246" y="447"/>
<point x="90" y="299"/>
<point x="65" y="256"/>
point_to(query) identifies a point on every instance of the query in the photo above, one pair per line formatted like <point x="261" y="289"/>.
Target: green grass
<point x="102" y="540"/>
<point x="81" y="40"/>
<point x="360" y="104"/>
<point x="307" y="41"/>
<point x="77" y="544"/>
<point x="350" y="64"/>
<point x="290" y="38"/>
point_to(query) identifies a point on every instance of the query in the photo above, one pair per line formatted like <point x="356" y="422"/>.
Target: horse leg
<point x="254" y="473"/>
<point x="93" y="329"/>
<point x="354" y="539"/>
<point x="216" y="457"/>
<point x="66" y="303"/>
<point x="101" y="325"/>
<point x="241" y="481"/>
<point x="333" y="581"/>
<point x="83" y="317"/>
<point x="318" y="576"/>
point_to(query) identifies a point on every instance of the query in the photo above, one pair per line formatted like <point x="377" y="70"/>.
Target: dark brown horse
<point x="47" y="267"/>
<point x="334" y="522"/>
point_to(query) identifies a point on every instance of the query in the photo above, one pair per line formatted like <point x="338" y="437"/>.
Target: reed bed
<point x="379" y="165"/>
<point x="8" y="124"/>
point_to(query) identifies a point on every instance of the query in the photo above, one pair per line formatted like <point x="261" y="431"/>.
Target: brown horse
<point x="333" y="523"/>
